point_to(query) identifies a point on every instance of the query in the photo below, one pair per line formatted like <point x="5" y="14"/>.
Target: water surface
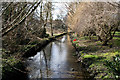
<point x="56" y="60"/>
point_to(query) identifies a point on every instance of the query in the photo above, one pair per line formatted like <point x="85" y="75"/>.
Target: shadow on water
<point x="56" y="60"/>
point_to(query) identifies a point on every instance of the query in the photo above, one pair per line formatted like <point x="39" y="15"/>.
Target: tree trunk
<point x="105" y="43"/>
<point x="51" y="32"/>
<point x="99" y="38"/>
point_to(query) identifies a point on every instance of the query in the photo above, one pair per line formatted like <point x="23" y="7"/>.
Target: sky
<point x="59" y="5"/>
<point x="59" y="9"/>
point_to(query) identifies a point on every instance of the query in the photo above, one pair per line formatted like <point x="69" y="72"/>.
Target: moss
<point x="56" y="34"/>
<point x="26" y="47"/>
<point x="5" y="51"/>
<point x="34" y="42"/>
<point x="8" y="63"/>
<point x="10" y="60"/>
<point x="90" y="56"/>
<point x="8" y="68"/>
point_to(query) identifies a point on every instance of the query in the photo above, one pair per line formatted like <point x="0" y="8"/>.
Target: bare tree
<point x="98" y="18"/>
<point x="32" y="9"/>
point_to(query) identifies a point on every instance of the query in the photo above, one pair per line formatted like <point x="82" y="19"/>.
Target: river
<point x="56" y="60"/>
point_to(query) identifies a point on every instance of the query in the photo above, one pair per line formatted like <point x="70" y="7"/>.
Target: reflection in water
<point x="55" y="61"/>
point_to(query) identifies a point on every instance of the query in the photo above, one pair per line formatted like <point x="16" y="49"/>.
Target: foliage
<point x="114" y="66"/>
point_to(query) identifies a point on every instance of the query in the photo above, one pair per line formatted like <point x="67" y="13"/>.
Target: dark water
<point x="56" y="60"/>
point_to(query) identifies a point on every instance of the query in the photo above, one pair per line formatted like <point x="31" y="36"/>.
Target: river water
<point x="56" y="60"/>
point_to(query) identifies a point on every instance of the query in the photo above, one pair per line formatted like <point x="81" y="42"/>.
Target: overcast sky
<point x="59" y="5"/>
<point x="59" y="9"/>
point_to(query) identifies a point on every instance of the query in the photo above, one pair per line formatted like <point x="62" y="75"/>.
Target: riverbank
<point x="97" y="59"/>
<point x="40" y="45"/>
<point x="12" y="64"/>
<point x="55" y="61"/>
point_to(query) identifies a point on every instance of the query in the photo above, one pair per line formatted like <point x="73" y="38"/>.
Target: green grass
<point x="117" y="42"/>
<point x="109" y="55"/>
<point x="117" y="33"/>
<point x="97" y="63"/>
<point x="116" y="38"/>
<point x="114" y="66"/>
<point x="93" y="54"/>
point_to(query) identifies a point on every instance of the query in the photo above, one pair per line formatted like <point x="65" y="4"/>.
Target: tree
<point x="98" y="18"/>
<point x="32" y="9"/>
<point x="19" y="25"/>
<point x="51" y="18"/>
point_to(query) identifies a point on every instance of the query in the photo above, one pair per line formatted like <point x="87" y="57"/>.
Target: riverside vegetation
<point x="100" y="61"/>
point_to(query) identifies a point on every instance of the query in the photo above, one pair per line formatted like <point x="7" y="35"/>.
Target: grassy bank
<point x="100" y="61"/>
